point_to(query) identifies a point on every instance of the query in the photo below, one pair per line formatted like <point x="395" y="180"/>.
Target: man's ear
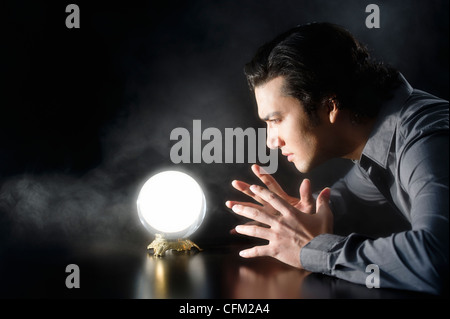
<point x="332" y="109"/>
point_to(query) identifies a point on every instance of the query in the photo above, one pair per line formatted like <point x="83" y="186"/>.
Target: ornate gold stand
<point x="160" y="245"/>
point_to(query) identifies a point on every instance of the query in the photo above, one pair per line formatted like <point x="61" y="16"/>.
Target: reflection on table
<point x="216" y="272"/>
<point x="221" y="273"/>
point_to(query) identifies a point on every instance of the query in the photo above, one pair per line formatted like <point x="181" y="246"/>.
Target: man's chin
<point x="306" y="167"/>
<point x="302" y="167"/>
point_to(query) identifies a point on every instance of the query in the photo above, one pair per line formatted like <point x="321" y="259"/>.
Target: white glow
<point x="171" y="203"/>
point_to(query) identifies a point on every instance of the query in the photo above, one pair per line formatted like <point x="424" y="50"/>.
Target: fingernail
<point x="326" y="194"/>
<point x="263" y="171"/>
<point x="254" y="188"/>
<point x="242" y="253"/>
<point x="236" y="208"/>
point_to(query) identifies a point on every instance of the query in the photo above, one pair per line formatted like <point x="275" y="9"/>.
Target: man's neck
<point x="357" y="137"/>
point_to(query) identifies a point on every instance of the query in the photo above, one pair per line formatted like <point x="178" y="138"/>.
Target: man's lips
<point x="290" y="156"/>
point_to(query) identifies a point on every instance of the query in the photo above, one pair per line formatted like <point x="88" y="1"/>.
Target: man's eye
<point x="275" y="121"/>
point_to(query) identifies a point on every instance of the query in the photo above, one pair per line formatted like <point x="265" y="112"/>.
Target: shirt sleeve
<point x="416" y="259"/>
<point x="350" y="191"/>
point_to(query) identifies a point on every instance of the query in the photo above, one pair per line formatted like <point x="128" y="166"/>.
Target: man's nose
<point x="274" y="140"/>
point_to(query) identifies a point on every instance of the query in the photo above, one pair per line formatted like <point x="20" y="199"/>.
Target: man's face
<point x="289" y="127"/>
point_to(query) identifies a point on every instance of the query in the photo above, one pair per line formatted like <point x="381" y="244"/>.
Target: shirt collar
<point x="379" y="142"/>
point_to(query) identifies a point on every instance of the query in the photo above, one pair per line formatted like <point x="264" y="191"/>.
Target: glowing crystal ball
<point x="171" y="203"/>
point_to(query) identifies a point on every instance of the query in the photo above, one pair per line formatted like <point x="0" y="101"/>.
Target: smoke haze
<point x="87" y="114"/>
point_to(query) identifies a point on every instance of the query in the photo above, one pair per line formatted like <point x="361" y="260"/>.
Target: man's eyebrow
<point x="270" y="115"/>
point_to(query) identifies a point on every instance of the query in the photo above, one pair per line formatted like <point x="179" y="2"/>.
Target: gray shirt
<point x="405" y="162"/>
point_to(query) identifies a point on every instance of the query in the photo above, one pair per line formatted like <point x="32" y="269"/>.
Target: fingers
<point x="257" y="214"/>
<point x="323" y="199"/>
<point x="273" y="199"/>
<point x="268" y="180"/>
<point x="255" y="252"/>
<point x="254" y="231"/>
<point x="306" y="193"/>
<point x="245" y="188"/>
<point x="231" y="203"/>
<point x="323" y="211"/>
<point x="234" y="232"/>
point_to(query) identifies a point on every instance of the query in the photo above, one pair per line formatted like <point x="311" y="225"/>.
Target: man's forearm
<point x="401" y="258"/>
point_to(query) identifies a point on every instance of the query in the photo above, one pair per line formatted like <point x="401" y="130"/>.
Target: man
<point x="322" y="97"/>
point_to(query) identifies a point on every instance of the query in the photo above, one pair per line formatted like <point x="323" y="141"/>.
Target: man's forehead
<point x="268" y="97"/>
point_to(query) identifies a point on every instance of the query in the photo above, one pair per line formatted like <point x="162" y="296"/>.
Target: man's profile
<point x="322" y="97"/>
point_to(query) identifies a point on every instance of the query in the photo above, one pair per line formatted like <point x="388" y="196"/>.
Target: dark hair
<point x="320" y="61"/>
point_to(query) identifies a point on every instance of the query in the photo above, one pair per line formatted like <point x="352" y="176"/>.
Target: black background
<point x="86" y="114"/>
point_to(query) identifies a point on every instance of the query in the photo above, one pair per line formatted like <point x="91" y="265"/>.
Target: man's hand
<point x="305" y="203"/>
<point x="288" y="228"/>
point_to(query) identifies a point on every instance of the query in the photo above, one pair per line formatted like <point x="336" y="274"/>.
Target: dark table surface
<point x="216" y="272"/>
